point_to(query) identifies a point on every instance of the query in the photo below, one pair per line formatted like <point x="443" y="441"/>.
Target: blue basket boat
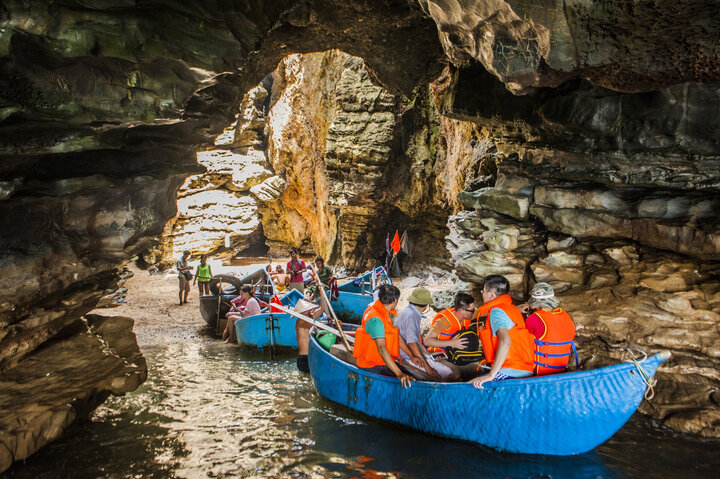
<point x="269" y="329"/>
<point x="562" y="414"/>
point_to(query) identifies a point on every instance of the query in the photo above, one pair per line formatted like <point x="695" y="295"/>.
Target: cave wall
<point x="104" y="106"/>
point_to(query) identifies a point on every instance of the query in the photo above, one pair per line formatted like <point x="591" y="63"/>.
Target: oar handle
<point x="330" y="309"/>
<point x="306" y="319"/>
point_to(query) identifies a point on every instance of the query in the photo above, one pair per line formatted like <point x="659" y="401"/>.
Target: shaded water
<point x="210" y="410"/>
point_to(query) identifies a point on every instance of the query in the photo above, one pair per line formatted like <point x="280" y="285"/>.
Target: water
<point x="210" y="410"/>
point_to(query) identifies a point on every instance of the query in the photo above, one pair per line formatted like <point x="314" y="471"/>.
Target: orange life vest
<point x="455" y="326"/>
<point x="365" y="351"/>
<point x="552" y="349"/>
<point x="521" y="353"/>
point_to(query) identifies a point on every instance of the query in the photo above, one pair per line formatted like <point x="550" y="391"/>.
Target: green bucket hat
<point x="420" y="296"/>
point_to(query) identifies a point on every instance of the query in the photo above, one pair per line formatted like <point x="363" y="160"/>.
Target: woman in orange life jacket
<point x="378" y="341"/>
<point x="507" y="344"/>
<point x="553" y="329"/>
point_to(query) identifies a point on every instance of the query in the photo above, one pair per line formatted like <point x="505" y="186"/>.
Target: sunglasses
<point x="469" y="310"/>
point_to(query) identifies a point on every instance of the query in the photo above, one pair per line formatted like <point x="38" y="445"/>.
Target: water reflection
<point x="209" y="409"/>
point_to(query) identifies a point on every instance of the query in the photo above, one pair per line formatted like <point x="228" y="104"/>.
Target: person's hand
<point x="429" y="369"/>
<point x="524" y="308"/>
<point x="479" y="381"/>
<point x="458" y="343"/>
<point x="405" y="379"/>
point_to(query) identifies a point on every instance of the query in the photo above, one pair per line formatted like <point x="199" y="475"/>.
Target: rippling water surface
<point x="210" y="410"/>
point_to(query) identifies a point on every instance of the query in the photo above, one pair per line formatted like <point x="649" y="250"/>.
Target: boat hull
<point x="269" y="330"/>
<point x="209" y="308"/>
<point x="350" y="307"/>
<point x="562" y="414"/>
<point x="363" y="284"/>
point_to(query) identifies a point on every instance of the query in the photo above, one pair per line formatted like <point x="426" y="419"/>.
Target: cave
<point x="570" y="144"/>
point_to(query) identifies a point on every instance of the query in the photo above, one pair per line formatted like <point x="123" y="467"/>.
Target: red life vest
<point x="275" y="300"/>
<point x="455" y="326"/>
<point x="552" y="349"/>
<point x="521" y="353"/>
<point x="365" y="351"/>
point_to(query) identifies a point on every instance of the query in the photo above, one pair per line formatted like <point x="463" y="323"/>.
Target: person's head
<point x="203" y="258"/>
<point x="495" y="285"/>
<point x="542" y="296"/>
<point x="421" y="299"/>
<point x="305" y="307"/>
<point x="186" y="253"/>
<point x="246" y="291"/>
<point x="464" y="305"/>
<point x="293" y="253"/>
<point x="279" y="269"/>
<point x="268" y="268"/>
<point x="388" y="295"/>
<point x="319" y="262"/>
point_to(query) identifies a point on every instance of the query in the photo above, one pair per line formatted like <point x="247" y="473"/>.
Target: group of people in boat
<point x="512" y="346"/>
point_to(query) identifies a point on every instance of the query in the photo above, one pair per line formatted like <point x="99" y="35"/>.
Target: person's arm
<point x="501" y="353"/>
<point x="418" y="354"/>
<point x="197" y="270"/>
<point x="385" y="355"/>
<point x="210" y="272"/>
<point x="431" y="337"/>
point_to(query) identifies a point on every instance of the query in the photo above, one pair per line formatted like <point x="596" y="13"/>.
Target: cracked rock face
<point x="601" y="178"/>
<point x="621" y="46"/>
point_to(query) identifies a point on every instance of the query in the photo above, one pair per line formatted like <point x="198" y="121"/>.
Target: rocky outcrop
<point x="545" y="43"/>
<point x="73" y="373"/>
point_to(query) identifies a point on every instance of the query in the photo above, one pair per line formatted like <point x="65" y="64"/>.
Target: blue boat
<point x="269" y="329"/>
<point x="561" y="414"/>
<point x="224" y="288"/>
<point x="363" y="284"/>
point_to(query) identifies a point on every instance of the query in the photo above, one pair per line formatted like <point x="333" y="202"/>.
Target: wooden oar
<point x="307" y="320"/>
<point x="330" y="309"/>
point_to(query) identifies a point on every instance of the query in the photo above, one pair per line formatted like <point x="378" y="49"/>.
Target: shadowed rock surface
<point x="609" y="196"/>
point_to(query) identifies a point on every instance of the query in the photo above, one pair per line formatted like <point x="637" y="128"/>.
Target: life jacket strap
<point x="537" y="363"/>
<point x="548" y="355"/>
<point x="547" y="343"/>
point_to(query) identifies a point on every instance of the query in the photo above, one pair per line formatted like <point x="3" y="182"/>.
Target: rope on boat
<point x="649" y="381"/>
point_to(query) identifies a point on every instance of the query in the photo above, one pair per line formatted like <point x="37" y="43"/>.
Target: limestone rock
<point x="43" y="393"/>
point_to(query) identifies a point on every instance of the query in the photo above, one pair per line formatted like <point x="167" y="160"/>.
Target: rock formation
<point x="600" y="176"/>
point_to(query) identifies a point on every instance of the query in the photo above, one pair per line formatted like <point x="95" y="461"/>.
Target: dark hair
<point x="462" y="300"/>
<point x="319" y="258"/>
<point x="278" y="268"/>
<point x="203" y="256"/>
<point x="293" y="251"/>
<point x="497" y="284"/>
<point x="388" y="293"/>
<point x="247" y="289"/>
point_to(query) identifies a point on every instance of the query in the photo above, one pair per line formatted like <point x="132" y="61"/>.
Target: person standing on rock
<point x="184" y="276"/>
<point x="203" y="273"/>
<point x="295" y="268"/>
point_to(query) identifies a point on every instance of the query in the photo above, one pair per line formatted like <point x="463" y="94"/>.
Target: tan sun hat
<point x="420" y="296"/>
<point x="303" y="306"/>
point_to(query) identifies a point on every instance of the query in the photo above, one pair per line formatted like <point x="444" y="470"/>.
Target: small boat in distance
<point x="355" y="296"/>
<point x="225" y="287"/>
<point x="561" y="414"/>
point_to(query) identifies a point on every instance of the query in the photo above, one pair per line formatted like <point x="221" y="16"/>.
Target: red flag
<point x="395" y="245"/>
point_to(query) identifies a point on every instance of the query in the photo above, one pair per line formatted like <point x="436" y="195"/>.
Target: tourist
<point x="184" y="276"/>
<point x="249" y="307"/>
<point x="408" y="324"/>
<point x="377" y="341"/>
<point x="203" y="273"/>
<point x="280" y="279"/>
<point x="553" y="329"/>
<point x="295" y="268"/>
<point x="448" y="322"/>
<point x="302" y="330"/>
<point x="325" y="273"/>
<point x="507" y="344"/>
